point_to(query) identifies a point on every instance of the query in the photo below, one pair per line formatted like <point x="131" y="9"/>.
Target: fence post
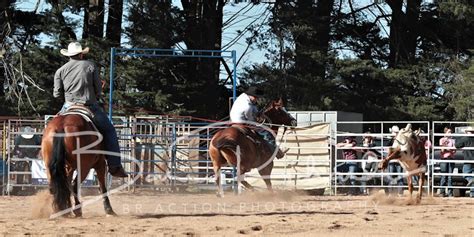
<point x="4" y="155"/>
<point x="8" y="153"/>
<point x="79" y="169"/>
<point x="173" y="158"/>
<point x="236" y="173"/>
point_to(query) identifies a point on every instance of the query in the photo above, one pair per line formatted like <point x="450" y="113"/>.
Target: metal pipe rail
<point x="378" y="136"/>
<point x="456" y="127"/>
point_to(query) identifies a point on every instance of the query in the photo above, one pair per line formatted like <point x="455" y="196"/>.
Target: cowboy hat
<point x="74" y="48"/>
<point x="394" y="130"/>
<point x="469" y="129"/>
<point x="254" y="91"/>
<point x="368" y="135"/>
<point x="27" y="132"/>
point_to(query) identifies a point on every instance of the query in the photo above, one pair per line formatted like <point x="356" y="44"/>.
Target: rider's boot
<point x="117" y="171"/>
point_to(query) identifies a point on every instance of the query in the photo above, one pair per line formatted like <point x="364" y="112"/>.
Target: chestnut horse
<point x="253" y="151"/>
<point x="409" y="149"/>
<point x="64" y="135"/>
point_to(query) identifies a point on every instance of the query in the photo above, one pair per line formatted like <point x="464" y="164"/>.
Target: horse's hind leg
<point x="77" y="202"/>
<point x="217" y="161"/>
<point x="101" y="172"/>
<point x="217" y="172"/>
<point x="84" y="172"/>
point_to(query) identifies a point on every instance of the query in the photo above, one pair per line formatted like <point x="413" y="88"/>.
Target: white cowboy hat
<point x="368" y="135"/>
<point x="394" y="130"/>
<point x="469" y="129"/>
<point x="74" y="48"/>
<point x="28" y="132"/>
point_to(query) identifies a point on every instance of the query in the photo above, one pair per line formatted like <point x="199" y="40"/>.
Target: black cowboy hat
<point x="254" y="91"/>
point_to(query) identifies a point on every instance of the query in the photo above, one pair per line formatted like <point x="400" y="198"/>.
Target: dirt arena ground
<point x="281" y="214"/>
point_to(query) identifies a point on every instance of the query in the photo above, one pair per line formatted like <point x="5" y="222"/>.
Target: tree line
<point x="390" y="60"/>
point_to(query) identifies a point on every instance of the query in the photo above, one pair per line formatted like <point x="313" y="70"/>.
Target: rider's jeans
<point x="268" y="136"/>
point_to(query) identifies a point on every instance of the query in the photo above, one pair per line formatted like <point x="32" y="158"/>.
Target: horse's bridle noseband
<point x="400" y="143"/>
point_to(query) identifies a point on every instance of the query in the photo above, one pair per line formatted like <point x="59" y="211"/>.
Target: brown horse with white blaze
<point x="61" y="138"/>
<point x="253" y="154"/>
<point x="409" y="149"/>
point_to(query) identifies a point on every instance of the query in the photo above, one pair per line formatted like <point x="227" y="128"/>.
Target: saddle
<point x="82" y="111"/>
<point x="251" y="134"/>
<point x="258" y="140"/>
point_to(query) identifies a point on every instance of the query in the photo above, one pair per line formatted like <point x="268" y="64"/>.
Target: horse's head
<point x="400" y="141"/>
<point x="403" y="142"/>
<point x="276" y="113"/>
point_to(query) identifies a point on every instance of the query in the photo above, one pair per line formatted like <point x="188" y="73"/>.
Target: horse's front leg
<point x="266" y="173"/>
<point x="384" y="162"/>
<point x="420" y="188"/>
<point x="247" y="185"/>
<point x="241" y="179"/>
<point x="410" y="185"/>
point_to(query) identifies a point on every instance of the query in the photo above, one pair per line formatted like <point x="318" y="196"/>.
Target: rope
<point x="278" y="125"/>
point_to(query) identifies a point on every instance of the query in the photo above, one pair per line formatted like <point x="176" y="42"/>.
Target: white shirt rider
<point x="244" y="108"/>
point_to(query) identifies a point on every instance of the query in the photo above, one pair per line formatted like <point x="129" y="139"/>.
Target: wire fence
<point x="172" y="155"/>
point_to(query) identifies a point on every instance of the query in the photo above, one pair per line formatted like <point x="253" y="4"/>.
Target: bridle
<point x="268" y="121"/>
<point x="400" y="143"/>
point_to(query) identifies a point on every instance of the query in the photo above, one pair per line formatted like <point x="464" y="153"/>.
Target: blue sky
<point x="252" y="14"/>
<point x="229" y="34"/>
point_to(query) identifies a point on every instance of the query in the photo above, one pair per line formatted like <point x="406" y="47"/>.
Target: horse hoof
<point x="220" y="195"/>
<point x="67" y="215"/>
<point x="251" y="189"/>
<point x="78" y="214"/>
<point x="418" y="200"/>
<point x="110" y="213"/>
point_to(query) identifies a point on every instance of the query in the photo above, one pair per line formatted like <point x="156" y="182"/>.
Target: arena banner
<point x="39" y="177"/>
<point x="306" y="165"/>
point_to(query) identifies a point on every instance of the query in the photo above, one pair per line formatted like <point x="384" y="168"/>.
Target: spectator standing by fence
<point x="467" y="168"/>
<point x="350" y="165"/>
<point x="372" y="156"/>
<point x="447" y="167"/>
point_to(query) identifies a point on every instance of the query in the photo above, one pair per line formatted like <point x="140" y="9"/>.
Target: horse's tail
<point x="59" y="185"/>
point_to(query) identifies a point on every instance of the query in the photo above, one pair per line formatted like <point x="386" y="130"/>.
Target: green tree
<point x="114" y="22"/>
<point x="203" y="30"/>
<point x="152" y="85"/>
